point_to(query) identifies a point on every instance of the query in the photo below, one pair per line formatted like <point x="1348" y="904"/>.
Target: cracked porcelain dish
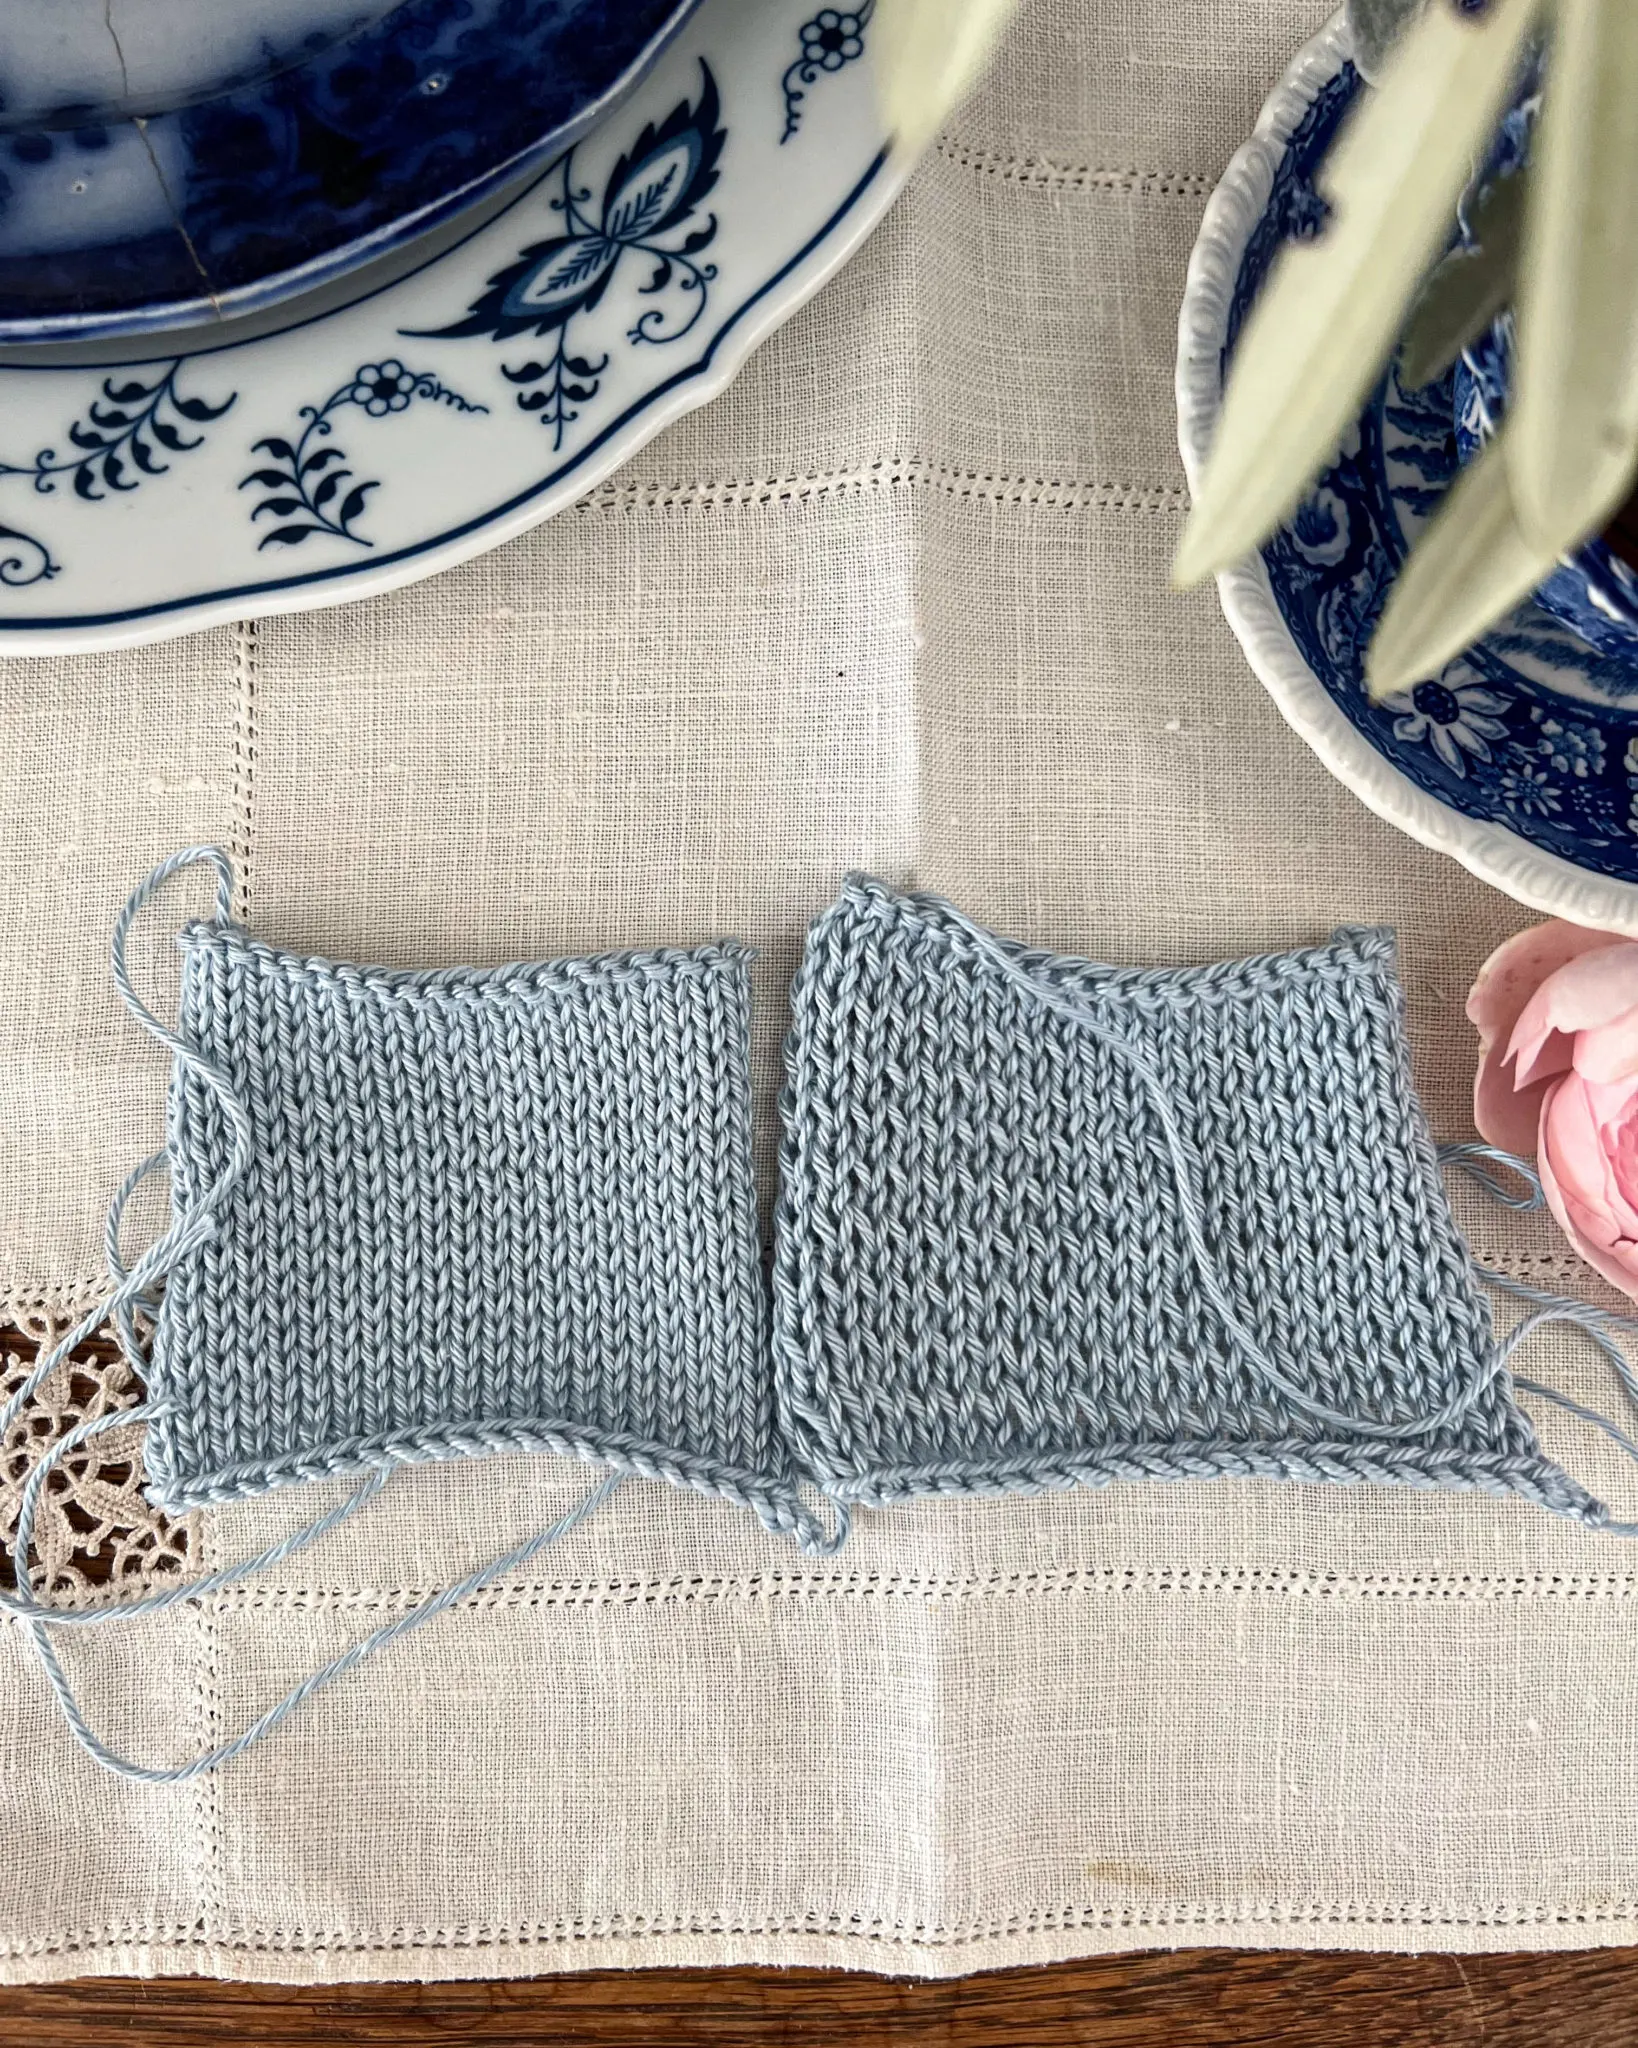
<point x="167" y="162"/>
<point x="414" y="417"/>
<point x="1520" y="759"/>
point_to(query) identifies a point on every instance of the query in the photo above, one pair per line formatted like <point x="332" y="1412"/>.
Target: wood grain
<point x="1185" y="2000"/>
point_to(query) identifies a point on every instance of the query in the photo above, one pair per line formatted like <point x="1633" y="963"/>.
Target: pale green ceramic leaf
<point x="1469" y="288"/>
<point x="1329" y="314"/>
<point x="926" y="56"/>
<point x="1470" y="568"/>
<point x="1573" y="442"/>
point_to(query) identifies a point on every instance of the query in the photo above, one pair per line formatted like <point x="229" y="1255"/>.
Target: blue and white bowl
<point x="1520" y="759"/>
<point x="1592" y="590"/>
<point x="184" y="161"/>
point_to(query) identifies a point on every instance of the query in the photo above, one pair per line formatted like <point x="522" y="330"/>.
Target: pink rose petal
<point x="1588" y="1118"/>
<point x="1518" y="967"/>
<point x="1582" y="1181"/>
<point x="1596" y="987"/>
<point x="1618" y="1122"/>
<point x="1609" y="1052"/>
<point x="1505" y="1114"/>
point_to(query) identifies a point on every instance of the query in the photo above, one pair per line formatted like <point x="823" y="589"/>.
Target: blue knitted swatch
<point x="1041" y="1223"/>
<point x="1045" y="1222"/>
<point x="484" y="1210"/>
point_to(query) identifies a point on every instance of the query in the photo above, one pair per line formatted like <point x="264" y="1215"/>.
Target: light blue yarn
<point x="1045" y="1223"/>
<point x="465" y="1212"/>
<point x="1186" y="1167"/>
<point x="204" y="1189"/>
<point x="326" y="1675"/>
<point x="192" y="1227"/>
<point x="36" y="1618"/>
<point x="1551" y="1309"/>
<point x="1474" y="1160"/>
<point x="22" y="1605"/>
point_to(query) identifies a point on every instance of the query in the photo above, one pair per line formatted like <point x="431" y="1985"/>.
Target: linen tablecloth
<point x="897" y="601"/>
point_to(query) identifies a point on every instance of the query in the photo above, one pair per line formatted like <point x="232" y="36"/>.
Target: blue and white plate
<point x="1521" y="759"/>
<point x="165" y="162"/>
<point x="327" y="452"/>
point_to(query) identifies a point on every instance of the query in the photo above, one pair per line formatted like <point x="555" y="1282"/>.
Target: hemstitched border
<point x="843" y="1926"/>
<point x="1112" y="1581"/>
<point x="1045" y="173"/>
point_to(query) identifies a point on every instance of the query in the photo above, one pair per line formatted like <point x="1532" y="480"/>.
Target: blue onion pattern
<point x="649" y="209"/>
<point x="833" y="37"/>
<point x="307" y="486"/>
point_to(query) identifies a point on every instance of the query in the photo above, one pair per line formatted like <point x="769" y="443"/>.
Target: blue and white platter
<point x="164" y="162"/>
<point x="1521" y="758"/>
<point x="409" y="419"/>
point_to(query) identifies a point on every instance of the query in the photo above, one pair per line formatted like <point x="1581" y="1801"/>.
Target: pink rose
<point x="1557" y="1015"/>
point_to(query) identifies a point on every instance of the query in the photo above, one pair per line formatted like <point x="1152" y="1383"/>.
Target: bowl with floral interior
<point x="1520" y="757"/>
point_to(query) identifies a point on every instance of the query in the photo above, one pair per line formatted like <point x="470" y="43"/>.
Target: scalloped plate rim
<point x="674" y="394"/>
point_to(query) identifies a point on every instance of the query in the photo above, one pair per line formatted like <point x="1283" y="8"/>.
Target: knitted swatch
<point x="483" y="1211"/>
<point x="1044" y="1222"/>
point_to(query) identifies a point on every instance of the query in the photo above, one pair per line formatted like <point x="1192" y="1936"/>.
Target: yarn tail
<point x="132" y="1291"/>
<point x="1600" y="1324"/>
<point x="38" y="1627"/>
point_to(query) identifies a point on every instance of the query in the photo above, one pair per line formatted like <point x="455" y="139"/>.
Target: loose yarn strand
<point x="1550" y="1309"/>
<point x="124" y="1317"/>
<point x="191" y="1229"/>
<point x="326" y="1675"/>
<point x="24" y="1604"/>
<point x="130" y="1294"/>
<point x="1186" y="1169"/>
<point x="1473" y="1160"/>
<point x="1594" y="1321"/>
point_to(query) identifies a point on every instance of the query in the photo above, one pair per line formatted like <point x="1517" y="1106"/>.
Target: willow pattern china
<point x="1520" y="758"/>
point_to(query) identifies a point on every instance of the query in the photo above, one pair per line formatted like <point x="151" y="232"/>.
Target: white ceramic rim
<point x="1545" y="881"/>
<point x="857" y="217"/>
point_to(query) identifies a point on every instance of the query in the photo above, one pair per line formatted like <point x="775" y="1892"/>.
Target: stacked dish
<point x="301" y="305"/>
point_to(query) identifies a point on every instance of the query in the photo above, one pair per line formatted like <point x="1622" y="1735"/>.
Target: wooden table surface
<point x="1185" y="2000"/>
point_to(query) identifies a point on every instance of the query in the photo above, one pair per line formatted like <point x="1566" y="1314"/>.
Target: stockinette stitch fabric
<point x="429" y="1215"/>
<point x="1044" y="1222"/>
<point x="482" y="1210"/>
<point x="1041" y="1223"/>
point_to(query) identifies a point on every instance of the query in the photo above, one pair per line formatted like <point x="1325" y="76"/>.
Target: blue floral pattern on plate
<point x="328" y="156"/>
<point x="405" y="422"/>
<point x="130" y="430"/>
<point x="306" y="485"/>
<point x="835" y="36"/>
<point x="1533" y="729"/>
<point x="650" y="208"/>
<point x="1594" y="591"/>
